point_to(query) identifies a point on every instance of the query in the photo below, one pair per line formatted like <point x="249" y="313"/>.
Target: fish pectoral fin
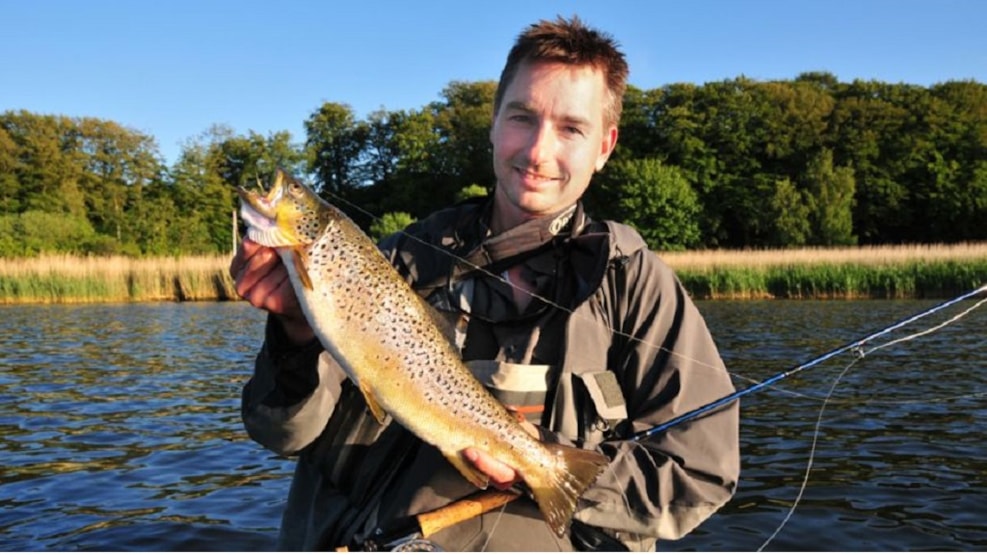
<point x="468" y="471"/>
<point x="300" y="260"/>
<point x="373" y="405"/>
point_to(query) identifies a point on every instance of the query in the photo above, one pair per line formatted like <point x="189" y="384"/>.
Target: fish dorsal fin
<point x="373" y="405"/>
<point x="301" y="260"/>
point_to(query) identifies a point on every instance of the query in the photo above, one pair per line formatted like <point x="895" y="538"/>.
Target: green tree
<point x="472" y="191"/>
<point x="119" y="164"/>
<point x="791" y="210"/>
<point x="654" y="198"/>
<point x="203" y="201"/>
<point x="335" y="143"/>
<point x="35" y="232"/>
<point x="977" y="203"/>
<point x="869" y="132"/>
<point x="389" y="223"/>
<point x="204" y="181"/>
<point x="402" y="159"/>
<point x="49" y="162"/>
<point x="464" y="154"/>
<point x="831" y="207"/>
<point x="9" y="169"/>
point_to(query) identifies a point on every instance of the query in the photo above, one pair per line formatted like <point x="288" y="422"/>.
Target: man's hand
<point x="262" y="280"/>
<point x="501" y="476"/>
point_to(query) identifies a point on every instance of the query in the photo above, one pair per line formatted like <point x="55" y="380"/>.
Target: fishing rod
<point x="856" y="344"/>
<point x="413" y="534"/>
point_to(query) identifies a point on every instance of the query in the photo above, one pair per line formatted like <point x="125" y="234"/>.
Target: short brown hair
<point x="572" y="43"/>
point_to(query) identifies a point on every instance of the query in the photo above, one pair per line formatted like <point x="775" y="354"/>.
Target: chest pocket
<point x="608" y="401"/>
<point x="589" y="403"/>
<point x="519" y="387"/>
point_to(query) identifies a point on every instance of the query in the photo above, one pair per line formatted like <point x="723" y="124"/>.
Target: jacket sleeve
<point x="667" y="364"/>
<point x="288" y="401"/>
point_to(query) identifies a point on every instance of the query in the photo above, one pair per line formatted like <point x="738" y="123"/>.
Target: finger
<point x="501" y="475"/>
<point x="282" y="299"/>
<point x="263" y="264"/>
<point x="236" y="264"/>
<point x="264" y="287"/>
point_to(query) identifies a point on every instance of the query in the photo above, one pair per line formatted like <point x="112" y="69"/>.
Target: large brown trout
<point x="390" y="344"/>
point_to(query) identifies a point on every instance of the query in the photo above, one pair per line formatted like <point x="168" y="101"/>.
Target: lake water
<point x="120" y="430"/>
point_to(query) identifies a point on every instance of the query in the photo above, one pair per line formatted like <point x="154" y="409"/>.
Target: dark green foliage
<point x="654" y="198"/>
<point x="736" y="163"/>
<point x="389" y="223"/>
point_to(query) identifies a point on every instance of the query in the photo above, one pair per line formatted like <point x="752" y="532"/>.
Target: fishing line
<point x="812" y="457"/>
<point x="955" y="318"/>
<point x="757" y="385"/>
<point x="500" y="514"/>
<point x="860" y="355"/>
<point x="542" y="298"/>
<point x="857" y="346"/>
<point x="863" y="353"/>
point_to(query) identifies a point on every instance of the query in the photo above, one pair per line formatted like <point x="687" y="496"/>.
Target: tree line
<point x="737" y="163"/>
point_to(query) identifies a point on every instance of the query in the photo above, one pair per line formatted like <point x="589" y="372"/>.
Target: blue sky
<point x="173" y="68"/>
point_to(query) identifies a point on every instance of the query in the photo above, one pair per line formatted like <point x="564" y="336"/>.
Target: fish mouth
<point x="262" y="205"/>
<point x="259" y="212"/>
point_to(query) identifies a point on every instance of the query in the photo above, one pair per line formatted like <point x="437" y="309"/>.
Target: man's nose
<point x="543" y="143"/>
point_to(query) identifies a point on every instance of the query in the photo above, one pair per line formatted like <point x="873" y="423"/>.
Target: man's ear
<point x="607" y="145"/>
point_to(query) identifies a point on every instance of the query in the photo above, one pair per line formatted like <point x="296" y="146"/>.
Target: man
<point x="572" y="323"/>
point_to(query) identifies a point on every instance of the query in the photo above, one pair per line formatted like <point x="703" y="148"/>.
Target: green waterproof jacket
<point x="622" y="349"/>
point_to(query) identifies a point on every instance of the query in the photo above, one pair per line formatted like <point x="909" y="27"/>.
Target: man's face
<point x="548" y="137"/>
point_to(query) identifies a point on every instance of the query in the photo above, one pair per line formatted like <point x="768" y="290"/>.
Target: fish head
<point x="289" y="214"/>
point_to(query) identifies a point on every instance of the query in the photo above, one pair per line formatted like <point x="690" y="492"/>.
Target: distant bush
<point x="34" y="232"/>
<point x="389" y="223"/>
<point x="472" y="191"/>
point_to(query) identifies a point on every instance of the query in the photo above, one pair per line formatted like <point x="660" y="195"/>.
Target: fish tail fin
<point x="556" y="492"/>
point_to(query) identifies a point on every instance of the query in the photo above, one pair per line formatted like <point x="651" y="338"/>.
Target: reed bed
<point x="889" y="272"/>
<point x="710" y="260"/>
<point x="86" y="279"/>
<point x="912" y="271"/>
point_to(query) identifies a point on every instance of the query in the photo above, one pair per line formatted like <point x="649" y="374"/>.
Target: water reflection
<point x="119" y="430"/>
<point x="898" y="456"/>
<point x="126" y="417"/>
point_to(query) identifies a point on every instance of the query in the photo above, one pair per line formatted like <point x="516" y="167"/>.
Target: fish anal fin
<point x="465" y="468"/>
<point x="373" y="405"/>
<point x="300" y="260"/>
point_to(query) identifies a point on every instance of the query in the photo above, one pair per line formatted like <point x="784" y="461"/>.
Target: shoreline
<point x="896" y="272"/>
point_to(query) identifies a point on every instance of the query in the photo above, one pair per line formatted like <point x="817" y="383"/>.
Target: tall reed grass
<point x="914" y="271"/>
<point x="77" y="279"/>
<point x="891" y="272"/>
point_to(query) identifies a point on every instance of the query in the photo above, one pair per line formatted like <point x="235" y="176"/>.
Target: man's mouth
<point x="534" y="177"/>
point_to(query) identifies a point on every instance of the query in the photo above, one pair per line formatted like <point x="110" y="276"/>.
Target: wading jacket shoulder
<point x="609" y="346"/>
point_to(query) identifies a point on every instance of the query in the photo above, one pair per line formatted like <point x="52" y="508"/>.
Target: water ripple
<point x="120" y="430"/>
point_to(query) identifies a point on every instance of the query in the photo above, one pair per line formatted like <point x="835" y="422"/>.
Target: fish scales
<point x="376" y="313"/>
<point x="387" y="340"/>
